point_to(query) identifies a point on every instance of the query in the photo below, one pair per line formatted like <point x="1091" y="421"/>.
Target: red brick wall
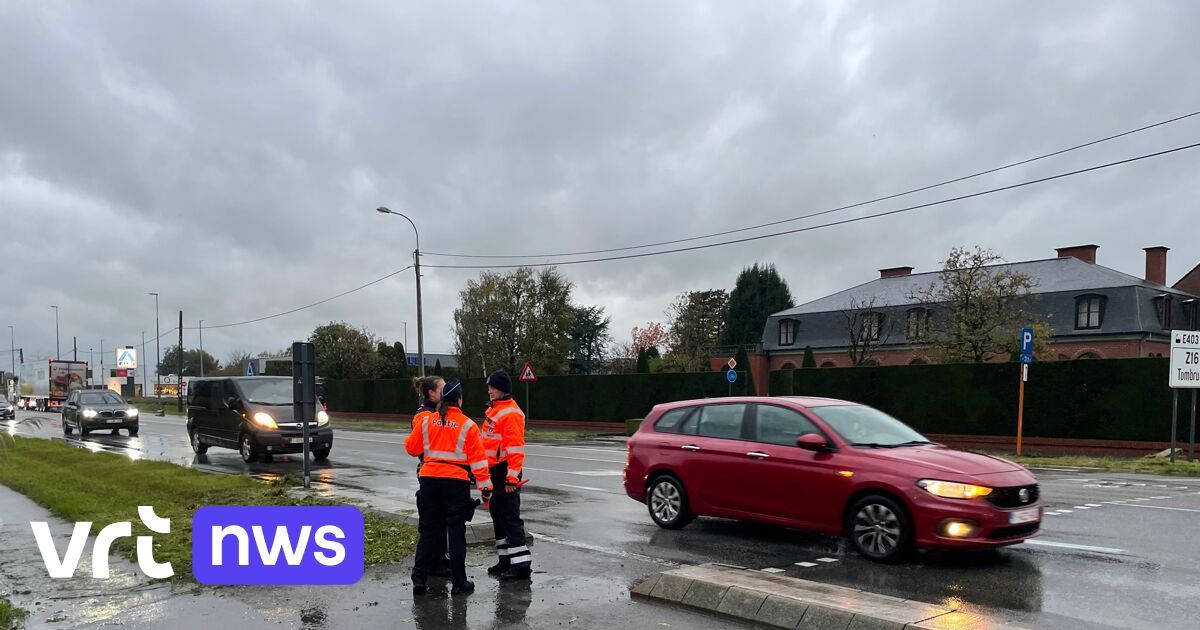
<point x="1125" y="349"/>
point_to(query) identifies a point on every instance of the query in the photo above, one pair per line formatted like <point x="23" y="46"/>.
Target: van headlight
<point x="953" y="490"/>
<point x="322" y="418"/>
<point x="265" y="420"/>
<point x="89" y="413"/>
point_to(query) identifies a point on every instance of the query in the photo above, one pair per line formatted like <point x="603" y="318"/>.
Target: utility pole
<point x="57" y="349"/>
<point x="103" y="376"/>
<point x="179" y="381"/>
<point x="12" y="353"/>
<point x="144" y="357"/>
<point x="202" y="348"/>
<point x="417" y="269"/>
<point x="74" y="348"/>
<point x="157" y="357"/>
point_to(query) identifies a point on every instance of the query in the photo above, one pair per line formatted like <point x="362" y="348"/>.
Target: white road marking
<point x="806" y="565"/>
<point x="581" y="473"/>
<point x="826" y="560"/>
<point x="1163" y="507"/>
<point x="771" y="570"/>
<point x="1094" y="505"/>
<point x="604" y="550"/>
<point x="589" y="488"/>
<point x="1082" y="507"/>
<point x="1059" y="545"/>
<point x="379" y="461"/>
<point x="578" y="459"/>
<point x="1064" y="511"/>
<point x="1159" y="498"/>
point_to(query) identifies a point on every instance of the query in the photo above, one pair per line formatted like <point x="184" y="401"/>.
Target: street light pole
<point x="12" y="353"/>
<point x="144" y="357"/>
<point x="157" y="355"/>
<point x="57" y="349"/>
<point x="202" y="348"/>
<point x="417" y="269"/>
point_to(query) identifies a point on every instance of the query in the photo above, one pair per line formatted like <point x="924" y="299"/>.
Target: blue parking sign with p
<point x="1026" y="343"/>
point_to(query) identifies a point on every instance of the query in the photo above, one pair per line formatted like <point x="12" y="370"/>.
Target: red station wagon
<point x="828" y="466"/>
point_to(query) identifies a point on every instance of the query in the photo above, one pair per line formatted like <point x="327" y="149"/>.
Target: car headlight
<point x="953" y="490"/>
<point x="131" y="412"/>
<point x="322" y="418"/>
<point x="89" y="413"/>
<point x="265" y="420"/>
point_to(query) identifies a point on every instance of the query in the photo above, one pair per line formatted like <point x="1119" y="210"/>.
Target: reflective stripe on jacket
<point x="504" y="436"/>
<point x="450" y="447"/>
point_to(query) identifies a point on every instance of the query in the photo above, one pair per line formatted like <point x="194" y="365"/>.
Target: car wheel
<point x="668" y="503"/>
<point x="321" y="454"/>
<point x="133" y="431"/>
<point x="249" y="453"/>
<point x="83" y="431"/>
<point x="198" y="447"/>
<point x="879" y="529"/>
<point x="67" y="430"/>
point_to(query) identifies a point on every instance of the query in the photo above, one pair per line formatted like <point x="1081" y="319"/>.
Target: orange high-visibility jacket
<point x="450" y="447"/>
<point x="504" y="437"/>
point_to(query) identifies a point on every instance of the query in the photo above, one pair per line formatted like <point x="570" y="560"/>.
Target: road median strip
<point x="784" y="602"/>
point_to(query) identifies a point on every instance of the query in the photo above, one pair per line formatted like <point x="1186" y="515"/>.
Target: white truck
<point x="44" y="385"/>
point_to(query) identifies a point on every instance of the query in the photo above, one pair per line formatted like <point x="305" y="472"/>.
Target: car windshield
<point x="100" y="398"/>
<point x="863" y="426"/>
<point x="267" y="391"/>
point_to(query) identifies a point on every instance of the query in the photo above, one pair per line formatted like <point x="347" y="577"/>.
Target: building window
<point x="787" y="332"/>
<point x="872" y="323"/>
<point x="1089" y="311"/>
<point x="1162" y="308"/>
<point x="1191" y="314"/>
<point x="916" y="326"/>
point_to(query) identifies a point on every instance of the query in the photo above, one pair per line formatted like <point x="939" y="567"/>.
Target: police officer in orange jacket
<point x="504" y="441"/>
<point x="450" y="444"/>
<point x="429" y="389"/>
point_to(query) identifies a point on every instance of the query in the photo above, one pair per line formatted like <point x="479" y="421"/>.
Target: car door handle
<point x="690" y="447"/>
<point x="758" y="454"/>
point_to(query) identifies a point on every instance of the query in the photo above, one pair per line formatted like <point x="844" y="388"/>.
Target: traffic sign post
<point x="1184" y="374"/>
<point x="1026" y="360"/>
<point x="304" y="395"/>
<point x="731" y="376"/>
<point x="527" y="376"/>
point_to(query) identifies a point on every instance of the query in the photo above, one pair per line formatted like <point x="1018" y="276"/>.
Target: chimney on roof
<point x="1156" y="264"/>
<point x="1086" y="253"/>
<point x="895" y="272"/>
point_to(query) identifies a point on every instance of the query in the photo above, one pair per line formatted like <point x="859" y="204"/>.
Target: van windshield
<point x="267" y="391"/>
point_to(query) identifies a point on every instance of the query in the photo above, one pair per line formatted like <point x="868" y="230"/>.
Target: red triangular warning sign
<point x="527" y="374"/>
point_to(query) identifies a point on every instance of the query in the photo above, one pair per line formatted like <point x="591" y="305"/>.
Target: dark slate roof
<point x="1052" y="275"/>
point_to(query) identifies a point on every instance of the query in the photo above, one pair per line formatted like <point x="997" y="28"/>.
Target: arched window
<point x="1089" y="355"/>
<point x="788" y="365"/>
<point x="828" y="364"/>
<point x="918" y="361"/>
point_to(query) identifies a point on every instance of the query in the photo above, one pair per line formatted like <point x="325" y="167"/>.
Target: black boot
<point x="466" y="588"/>
<point x="419" y="588"/>
<point x="499" y="568"/>
<point x="517" y="572"/>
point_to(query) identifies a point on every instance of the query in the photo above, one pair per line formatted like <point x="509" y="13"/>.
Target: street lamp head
<point x="383" y="210"/>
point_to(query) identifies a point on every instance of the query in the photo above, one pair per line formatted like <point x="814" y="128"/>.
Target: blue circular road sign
<point x="731" y="376"/>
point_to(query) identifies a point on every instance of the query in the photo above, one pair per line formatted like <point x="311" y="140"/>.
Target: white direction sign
<point x="126" y="359"/>
<point x="1185" y="359"/>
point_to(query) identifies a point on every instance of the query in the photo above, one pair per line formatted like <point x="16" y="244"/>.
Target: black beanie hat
<point x="452" y="392"/>
<point x="501" y="381"/>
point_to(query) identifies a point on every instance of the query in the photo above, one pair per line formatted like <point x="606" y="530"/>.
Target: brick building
<point x="1094" y="312"/>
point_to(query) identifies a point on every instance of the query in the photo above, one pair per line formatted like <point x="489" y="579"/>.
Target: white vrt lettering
<point x="338" y="549"/>
<point x="64" y="567"/>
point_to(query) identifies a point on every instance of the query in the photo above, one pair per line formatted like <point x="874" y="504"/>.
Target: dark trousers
<point x="505" y="509"/>
<point x="442" y="509"/>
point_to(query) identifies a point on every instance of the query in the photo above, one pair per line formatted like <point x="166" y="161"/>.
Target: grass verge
<point x="79" y="485"/>
<point x="403" y="426"/>
<point x="1148" y="465"/>
<point x="11" y="617"/>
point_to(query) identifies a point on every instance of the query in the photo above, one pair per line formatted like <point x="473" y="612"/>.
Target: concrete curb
<point x="783" y="602"/>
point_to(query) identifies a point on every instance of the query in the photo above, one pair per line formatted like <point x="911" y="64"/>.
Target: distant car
<point x="7" y="409"/>
<point x="98" y="409"/>
<point x="828" y="466"/>
<point x="254" y="416"/>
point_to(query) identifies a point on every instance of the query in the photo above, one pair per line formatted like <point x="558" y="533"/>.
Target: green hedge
<point x="1114" y="399"/>
<point x="605" y="398"/>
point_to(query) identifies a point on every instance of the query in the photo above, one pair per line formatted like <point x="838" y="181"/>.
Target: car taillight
<point x="325" y="405"/>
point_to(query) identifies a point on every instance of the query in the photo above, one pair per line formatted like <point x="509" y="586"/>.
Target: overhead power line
<point x="830" y="224"/>
<point x="824" y="212"/>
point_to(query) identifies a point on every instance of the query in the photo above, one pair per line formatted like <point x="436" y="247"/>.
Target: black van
<point x="253" y="415"/>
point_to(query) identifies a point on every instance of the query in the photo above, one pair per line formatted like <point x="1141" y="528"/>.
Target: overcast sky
<point x="230" y="155"/>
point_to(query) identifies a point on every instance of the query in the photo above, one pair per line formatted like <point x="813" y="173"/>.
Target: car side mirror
<point x="812" y="442"/>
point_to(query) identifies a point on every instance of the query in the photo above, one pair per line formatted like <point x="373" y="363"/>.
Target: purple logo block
<point x="277" y="545"/>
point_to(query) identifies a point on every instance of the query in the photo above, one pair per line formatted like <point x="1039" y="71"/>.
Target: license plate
<point x="114" y="421"/>
<point x="1024" y="516"/>
<point x="288" y="440"/>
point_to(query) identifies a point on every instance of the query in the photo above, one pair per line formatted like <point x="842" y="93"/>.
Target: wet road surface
<point x="1117" y="550"/>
